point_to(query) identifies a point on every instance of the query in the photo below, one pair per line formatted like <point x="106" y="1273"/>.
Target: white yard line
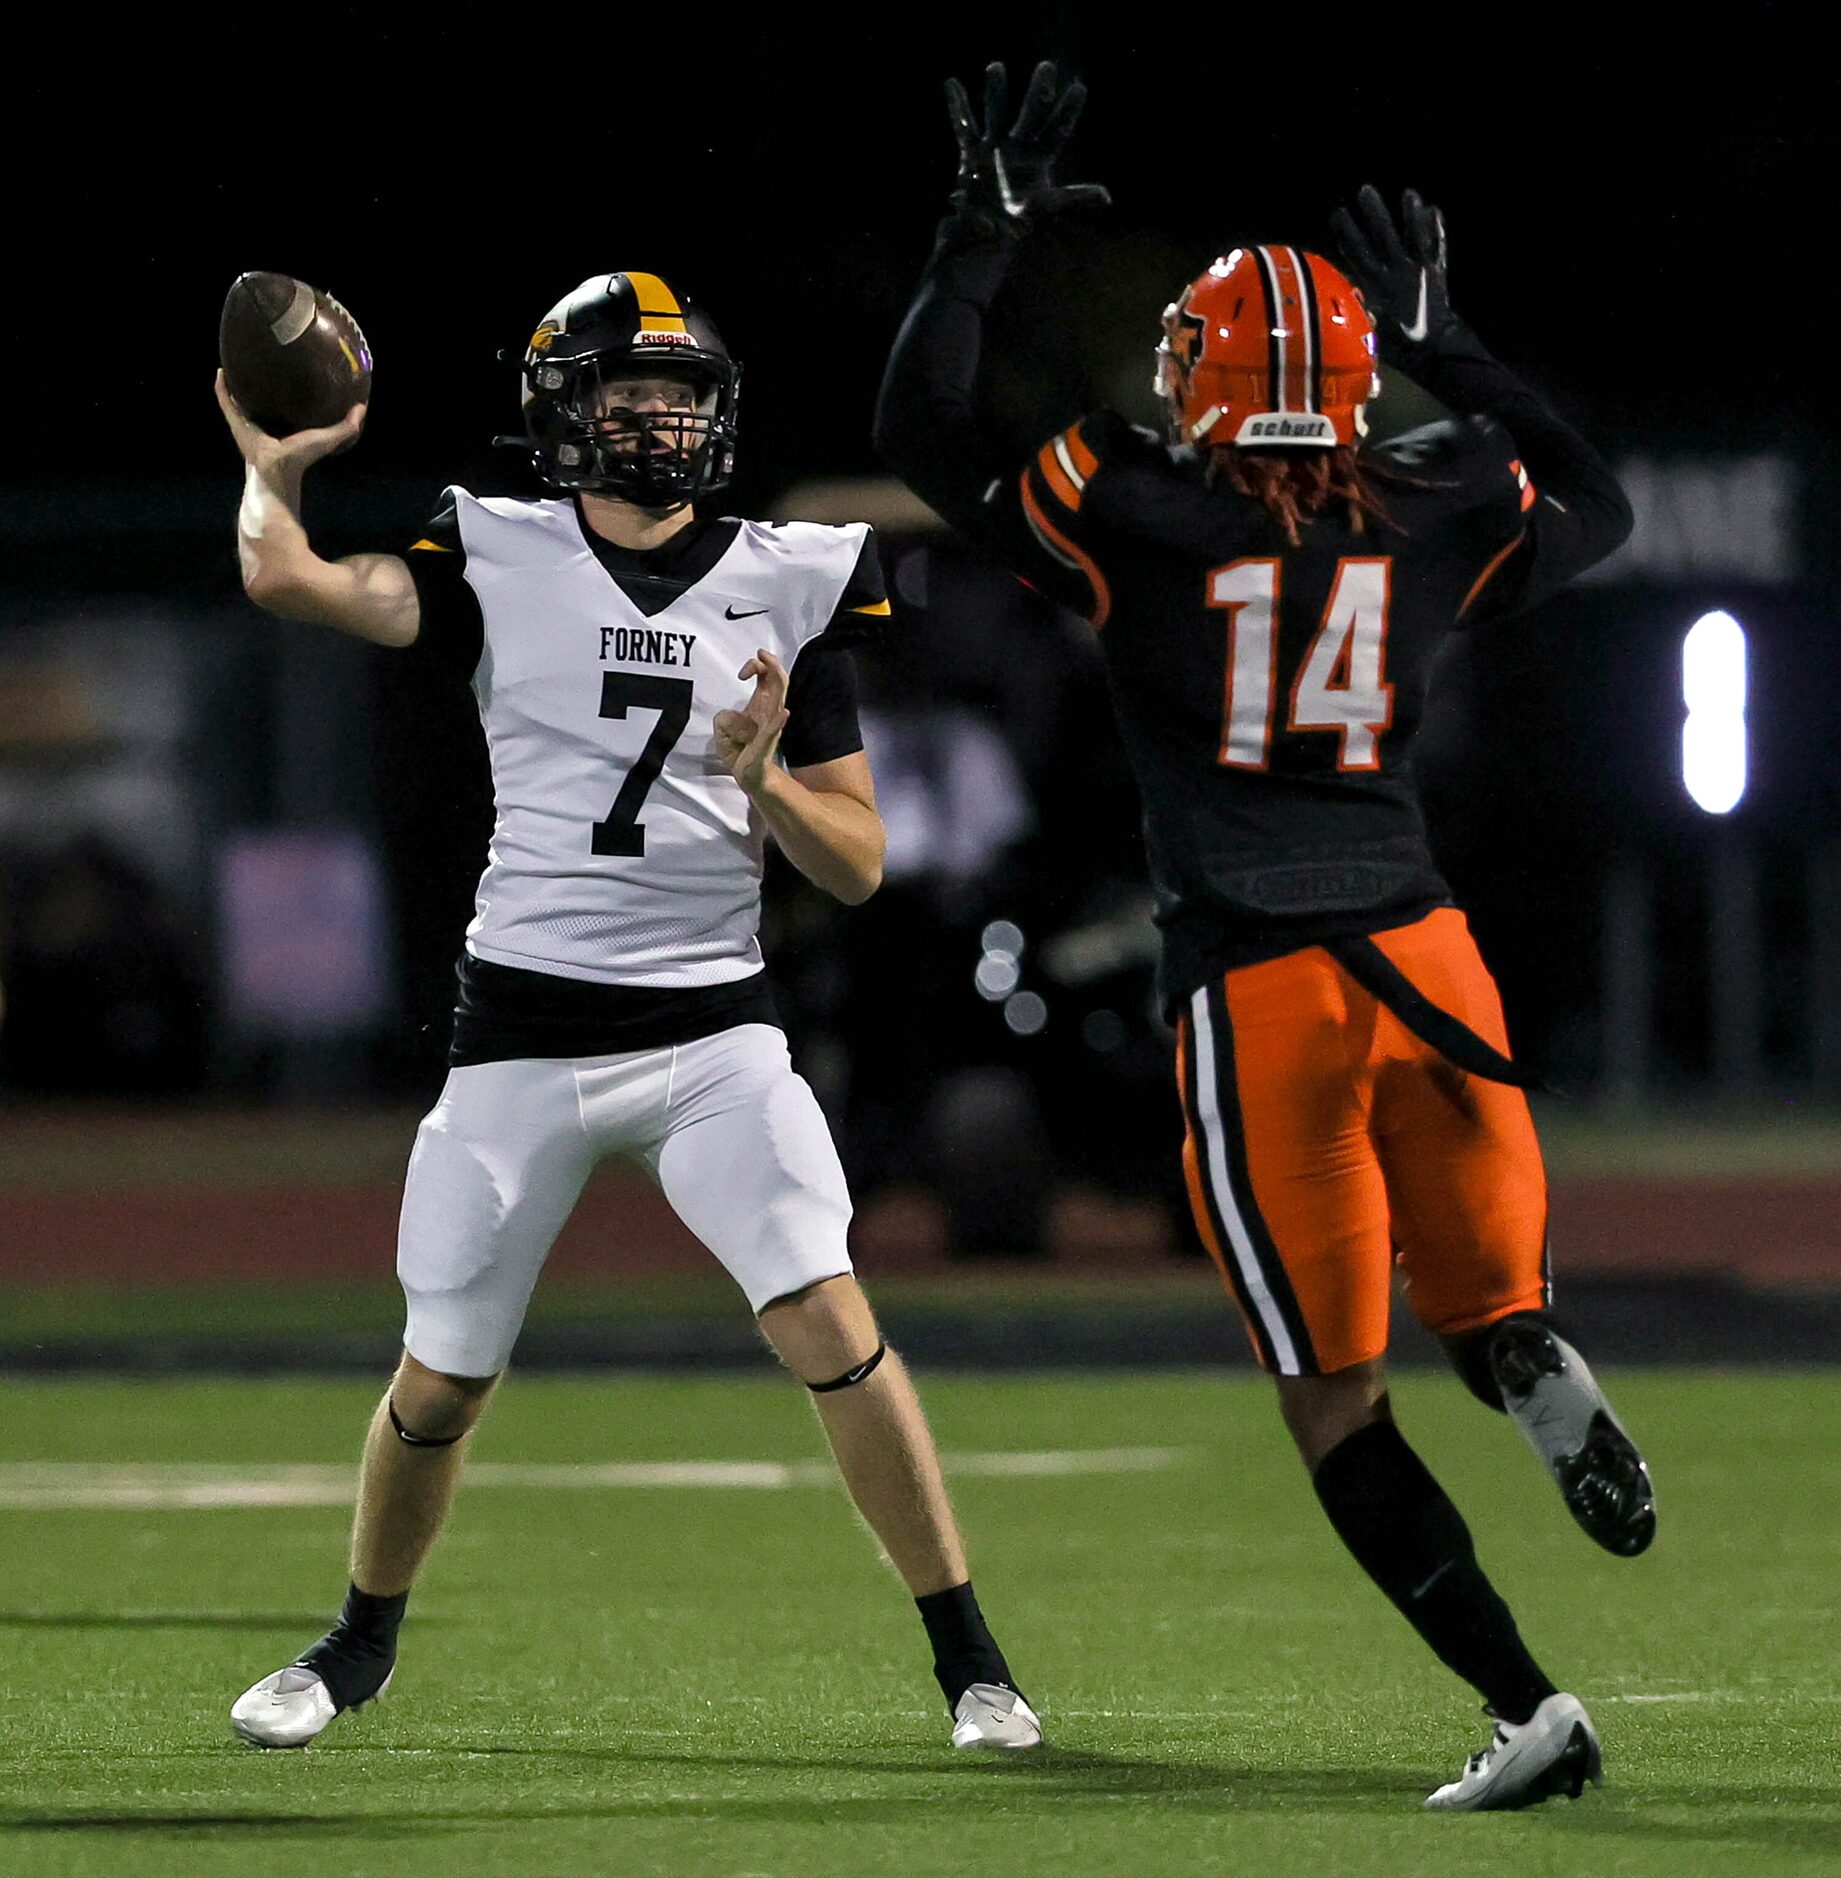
<point x="1681" y="1695"/>
<point x="143" y="1485"/>
<point x="1764" y="1690"/>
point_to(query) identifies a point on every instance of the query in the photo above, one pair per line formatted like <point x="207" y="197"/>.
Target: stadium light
<point x="1026" y="1013"/>
<point x="1713" y="754"/>
<point x="1000" y="964"/>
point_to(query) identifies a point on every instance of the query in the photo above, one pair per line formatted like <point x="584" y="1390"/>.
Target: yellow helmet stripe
<point x="658" y="305"/>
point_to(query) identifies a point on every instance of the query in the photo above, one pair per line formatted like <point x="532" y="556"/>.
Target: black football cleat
<point x="1552" y="1397"/>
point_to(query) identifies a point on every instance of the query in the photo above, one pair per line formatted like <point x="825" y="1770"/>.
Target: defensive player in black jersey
<point x="1270" y="592"/>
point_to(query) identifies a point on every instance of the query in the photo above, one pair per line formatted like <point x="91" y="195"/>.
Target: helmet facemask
<point x="654" y="430"/>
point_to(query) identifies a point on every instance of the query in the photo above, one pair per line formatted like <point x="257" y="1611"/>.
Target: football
<point x="293" y="358"/>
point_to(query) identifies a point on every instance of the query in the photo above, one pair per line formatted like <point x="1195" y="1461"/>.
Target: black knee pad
<point x="851" y="1377"/>
<point x="412" y="1440"/>
<point x="1469" y="1356"/>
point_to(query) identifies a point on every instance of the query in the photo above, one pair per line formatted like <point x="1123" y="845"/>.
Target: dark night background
<point x="1617" y="215"/>
<point x="1641" y="227"/>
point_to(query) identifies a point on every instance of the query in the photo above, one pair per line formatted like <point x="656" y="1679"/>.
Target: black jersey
<point x="1268" y="692"/>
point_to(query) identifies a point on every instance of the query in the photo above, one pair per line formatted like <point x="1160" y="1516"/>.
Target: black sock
<point x="964" y="1651"/>
<point x="356" y="1654"/>
<point x="1408" y="1537"/>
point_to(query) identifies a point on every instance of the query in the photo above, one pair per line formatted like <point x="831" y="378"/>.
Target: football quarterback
<point x="661" y="690"/>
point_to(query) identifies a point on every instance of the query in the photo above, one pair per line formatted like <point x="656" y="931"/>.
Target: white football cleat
<point x="990" y="1716"/>
<point x="289" y="1709"/>
<point x="1554" y="1751"/>
<point x="1555" y="1401"/>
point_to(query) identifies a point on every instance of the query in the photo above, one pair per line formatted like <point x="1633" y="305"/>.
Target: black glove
<point x="1007" y="182"/>
<point x="1400" y="269"/>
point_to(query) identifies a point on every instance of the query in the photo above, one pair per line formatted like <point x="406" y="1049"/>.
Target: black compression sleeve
<point x="928" y="429"/>
<point x="821" y="704"/>
<point x="452" y="632"/>
<point x="1583" y="514"/>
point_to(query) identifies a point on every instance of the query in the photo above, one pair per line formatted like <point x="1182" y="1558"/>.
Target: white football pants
<point x="727" y="1128"/>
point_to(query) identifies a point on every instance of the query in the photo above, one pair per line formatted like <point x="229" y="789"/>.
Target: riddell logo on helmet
<point x="1286" y="427"/>
<point x="650" y="336"/>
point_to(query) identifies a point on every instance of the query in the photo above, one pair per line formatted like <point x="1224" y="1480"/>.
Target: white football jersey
<point x="623" y="852"/>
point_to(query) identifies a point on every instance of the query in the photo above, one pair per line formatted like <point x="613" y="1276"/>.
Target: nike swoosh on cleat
<point x="1417" y="329"/>
<point x="728" y="612"/>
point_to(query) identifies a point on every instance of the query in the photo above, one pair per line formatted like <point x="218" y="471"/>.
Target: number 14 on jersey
<point x="1340" y="686"/>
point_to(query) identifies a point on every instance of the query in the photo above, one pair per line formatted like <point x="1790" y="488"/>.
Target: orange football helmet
<point x="1271" y="349"/>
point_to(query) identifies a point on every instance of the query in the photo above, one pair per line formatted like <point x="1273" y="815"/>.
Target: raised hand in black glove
<point x="1008" y="181"/>
<point x="1400" y="269"/>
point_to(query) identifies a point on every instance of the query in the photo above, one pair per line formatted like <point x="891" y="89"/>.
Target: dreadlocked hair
<point x="1294" y="486"/>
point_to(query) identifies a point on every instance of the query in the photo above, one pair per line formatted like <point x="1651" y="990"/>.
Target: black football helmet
<point x="626" y="326"/>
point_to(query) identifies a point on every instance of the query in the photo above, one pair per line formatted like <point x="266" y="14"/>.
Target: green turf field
<point x="648" y="1672"/>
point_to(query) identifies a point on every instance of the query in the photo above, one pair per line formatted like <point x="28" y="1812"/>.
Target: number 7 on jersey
<point x="623" y="833"/>
<point x="1340" y="685"/>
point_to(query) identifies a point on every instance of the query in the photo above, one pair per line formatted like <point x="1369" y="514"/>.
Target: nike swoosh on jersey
<point x="1417" y="329"/>
<point x="728" y="612"/>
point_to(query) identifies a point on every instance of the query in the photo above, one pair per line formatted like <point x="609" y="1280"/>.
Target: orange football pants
<point x="1325" y="1144"/>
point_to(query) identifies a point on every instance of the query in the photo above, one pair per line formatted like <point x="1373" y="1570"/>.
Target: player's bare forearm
<point x="272" y="547"/>
<point x="369" y="595"/>
<point x="835" y="839"/>
<point x="824" y="814"/>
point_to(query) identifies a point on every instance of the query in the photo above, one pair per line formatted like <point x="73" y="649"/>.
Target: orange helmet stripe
<point x="1310" y="335"/>
<point x="1297" y="365"/>
<point x="1277" y="360"/>
<point x="1294" y="351"/>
